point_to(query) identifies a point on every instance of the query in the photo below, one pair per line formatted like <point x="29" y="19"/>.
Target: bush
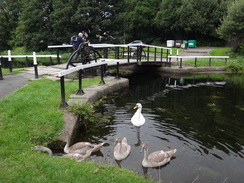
<point x="238" y="49"/>
<point x="236" y="66"/>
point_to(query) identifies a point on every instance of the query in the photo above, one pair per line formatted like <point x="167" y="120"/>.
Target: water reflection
<point x="203" y="121"/>
<point x="138" y="131"/>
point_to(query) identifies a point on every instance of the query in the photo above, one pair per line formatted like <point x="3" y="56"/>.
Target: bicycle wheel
<point x="93" y="54"/>
<point x="73" y="59"/>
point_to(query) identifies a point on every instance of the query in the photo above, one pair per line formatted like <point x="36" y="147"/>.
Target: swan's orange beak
<point x="135" y="107"/>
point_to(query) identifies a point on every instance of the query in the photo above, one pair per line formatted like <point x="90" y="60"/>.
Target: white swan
<point x="122" y="149"/>
<point x="138" y="119"/>
<point x="78" y="157"/>
<point x="80" y="147"/>
<point x="157" y="158"/>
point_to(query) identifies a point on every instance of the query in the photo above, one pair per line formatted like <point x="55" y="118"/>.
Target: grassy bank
<point x="31" y="116"/>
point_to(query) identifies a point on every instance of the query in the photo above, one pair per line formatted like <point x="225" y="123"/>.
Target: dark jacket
<point x="78" y="42"/>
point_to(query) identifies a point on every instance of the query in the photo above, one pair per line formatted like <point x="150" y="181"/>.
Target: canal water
<point x="201" y="116"/>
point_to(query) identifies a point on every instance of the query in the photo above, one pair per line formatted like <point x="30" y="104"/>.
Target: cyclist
<point x="78" y="41"/>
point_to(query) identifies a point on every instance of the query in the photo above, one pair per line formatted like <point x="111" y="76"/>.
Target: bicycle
<point x="84" y="54"/>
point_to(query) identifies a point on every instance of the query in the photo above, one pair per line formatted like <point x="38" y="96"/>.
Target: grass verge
<point x="31" y="116"/>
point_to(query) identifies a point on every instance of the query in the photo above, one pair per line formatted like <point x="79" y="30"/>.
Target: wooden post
<point x="10" y="61"/>
<point x="35" y="65"/>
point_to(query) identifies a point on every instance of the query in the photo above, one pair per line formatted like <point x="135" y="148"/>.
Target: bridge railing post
<point x="161" y="56"/>
<point x="102" y="74"/>
<point x="105" y="52"/>
<point x="80" y="90"/>
<point x="63" y="102"/>
<point x="167" y="54"/>
<point x="148" y="51"/>
<point x="117" y="71"/>
<point x="155" y="55"/>
<point x="58" y="58"/>
<point x="129" y="54"/>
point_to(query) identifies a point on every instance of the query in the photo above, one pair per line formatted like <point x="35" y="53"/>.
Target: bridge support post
<point x="80" y="90"/>
<point x="63" y="102"/>
<point x="117" y="74"/>
<point x="102" y="74"/>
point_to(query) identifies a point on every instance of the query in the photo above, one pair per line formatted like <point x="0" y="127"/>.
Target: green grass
<point x="6" y="71"/>
<point x="31" y="116"/>
<point x="214" y="62"/>
<point x="220" y="52"/>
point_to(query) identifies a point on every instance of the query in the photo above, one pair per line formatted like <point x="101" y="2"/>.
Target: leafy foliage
<point x="36" y="24"/>
<point x="236" y="66"/>
<point x="187" y="19"/>
<point x="232" y="27"/>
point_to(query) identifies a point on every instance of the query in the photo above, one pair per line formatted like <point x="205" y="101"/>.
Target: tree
<point x="100" y="19"/>
<point x="62" y="21"/>
<point x="9" y="14"/>
<point x="139" y="19"/>
<point x="190" y="19"/>
<point x="232" y="25"/>
<point x="34" y="26"/>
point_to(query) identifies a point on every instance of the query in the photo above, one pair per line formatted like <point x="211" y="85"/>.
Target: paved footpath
<point x="11" y="83"/>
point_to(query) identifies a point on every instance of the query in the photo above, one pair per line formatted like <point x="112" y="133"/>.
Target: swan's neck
<point x="45" y="149"/>
<point x="138" y="111"/>
<point x="66" y="147"/>
<point x="49" y="151"/>
<point x="145" y="154"/>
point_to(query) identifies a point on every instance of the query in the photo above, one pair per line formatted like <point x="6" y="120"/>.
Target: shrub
<point x="236" y="66"/>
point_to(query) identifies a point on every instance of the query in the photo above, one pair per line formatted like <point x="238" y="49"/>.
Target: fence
<point x="196" y="59"/>
<point x="34" y="56"/>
